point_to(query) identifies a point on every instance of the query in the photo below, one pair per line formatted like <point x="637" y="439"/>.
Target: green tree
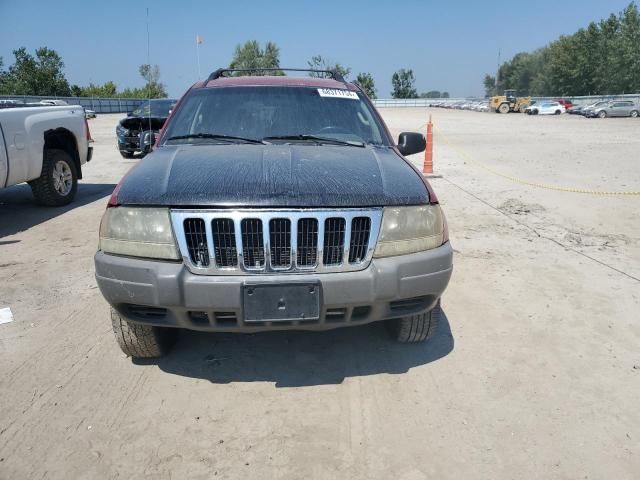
<point x="317" y="62"/>
<point x="603" y="58"/>
<point x="431" y="94"/>
<point x="39" y="75"/>
<point x="153" y="88"/>
<point x="489" y="83"/>
<point x="403" y="83"/>
<point x="365" y="80"/>
<point x="3" y="77"/>
<point x="250" y="56"/>
<point x="630" y="48"/>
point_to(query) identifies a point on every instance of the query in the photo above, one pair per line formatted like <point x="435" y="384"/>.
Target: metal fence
<point x="98" y="105"/>
<point x="425" y="102"/>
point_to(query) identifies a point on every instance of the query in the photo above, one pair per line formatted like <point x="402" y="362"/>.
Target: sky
<point x="449" y="45"/>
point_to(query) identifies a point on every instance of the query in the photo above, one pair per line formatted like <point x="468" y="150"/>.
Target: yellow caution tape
<point x="535" y="184"/>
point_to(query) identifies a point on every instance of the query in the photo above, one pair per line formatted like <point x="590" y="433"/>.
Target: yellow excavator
<point x="509" y="102"/>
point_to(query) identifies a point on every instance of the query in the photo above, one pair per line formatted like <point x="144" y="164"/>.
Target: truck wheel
<point x="415" y="328"/>
<point x="522" y="108"/>
<point x="58" y="182"/>
<point x="141" y="341"/>
<point x="504" y="108"/>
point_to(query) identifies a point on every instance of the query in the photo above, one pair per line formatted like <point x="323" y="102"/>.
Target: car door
<point x="625" y="108"/>
<point x="618" y="109"/>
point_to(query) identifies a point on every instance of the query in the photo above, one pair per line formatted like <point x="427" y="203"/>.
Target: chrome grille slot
<point x="283" y="241"/>
<point x="280" y="242"/>
<point x="307" y="255"/>
<point x="253" y="243"/>
<point x="224" y="242"/>
<point x="196" y="236"/>
<point x="360" y="228"/>
<point x="333" y="241"/>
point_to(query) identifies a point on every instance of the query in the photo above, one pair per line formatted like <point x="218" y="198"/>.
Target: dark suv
<point x="136" y="132"/>
<point x="271" y="203"/>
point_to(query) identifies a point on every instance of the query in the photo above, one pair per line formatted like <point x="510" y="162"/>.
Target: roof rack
<point x="221" y="72"/>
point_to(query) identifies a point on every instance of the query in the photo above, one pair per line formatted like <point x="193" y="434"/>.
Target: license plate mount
<point x="282" y="302"/>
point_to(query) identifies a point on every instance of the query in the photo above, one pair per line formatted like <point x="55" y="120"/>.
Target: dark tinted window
<point x="259" y="112"/>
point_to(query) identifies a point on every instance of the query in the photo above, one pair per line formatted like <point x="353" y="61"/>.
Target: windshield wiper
<point x="216" y="136"/>
<point x="316" y="139"/>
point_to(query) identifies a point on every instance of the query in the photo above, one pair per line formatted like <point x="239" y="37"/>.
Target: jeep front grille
<point x="224" y="242"/>
<point x="307" y="242"/>
<point x="280" y="242"/>
<point x="360" y="231"/>
<point x="253" y="243"/>
<point x="196" y="239"/>
<point x="333" y="240"/>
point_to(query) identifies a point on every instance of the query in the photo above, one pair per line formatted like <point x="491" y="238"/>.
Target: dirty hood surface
<point x="272" y="176"/>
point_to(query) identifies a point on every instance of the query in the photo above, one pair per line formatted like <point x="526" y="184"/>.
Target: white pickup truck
<point x="46" y="147"/>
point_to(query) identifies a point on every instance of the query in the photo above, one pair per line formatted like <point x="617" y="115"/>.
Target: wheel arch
<point x="63" y="139"/>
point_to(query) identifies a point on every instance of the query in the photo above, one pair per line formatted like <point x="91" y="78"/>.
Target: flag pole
<point x="198" y="55"/>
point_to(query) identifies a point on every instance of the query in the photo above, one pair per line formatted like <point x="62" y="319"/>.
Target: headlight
<point x="407" y="230"/>
<point x="138" y="232"/>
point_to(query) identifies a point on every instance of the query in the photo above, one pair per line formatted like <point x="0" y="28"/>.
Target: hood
<point x="138" y="123"/>
<point x="272" y="176"/>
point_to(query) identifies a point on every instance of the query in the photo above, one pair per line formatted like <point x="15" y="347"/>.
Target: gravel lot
<point x="535" y="372"/>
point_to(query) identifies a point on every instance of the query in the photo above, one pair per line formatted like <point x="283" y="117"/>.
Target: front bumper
<point x="167" y="294"/>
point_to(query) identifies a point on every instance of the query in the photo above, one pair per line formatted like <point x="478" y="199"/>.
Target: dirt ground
<point x="535" y="371"/>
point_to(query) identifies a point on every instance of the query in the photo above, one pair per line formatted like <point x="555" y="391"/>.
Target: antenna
<point x="149" y="64"/>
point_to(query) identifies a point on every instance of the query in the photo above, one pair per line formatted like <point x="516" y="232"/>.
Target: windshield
<point x="269" y="112"/>
<point x="154" y="108"/>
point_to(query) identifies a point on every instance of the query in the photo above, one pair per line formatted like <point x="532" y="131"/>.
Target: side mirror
<point x="411" y="142"/>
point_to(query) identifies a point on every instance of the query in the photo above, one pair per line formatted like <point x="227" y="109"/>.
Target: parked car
<point x="576" y="110"/>
<point x="136" y="132"/>
<point x="89" y="113"/>
<point x="273" y="203"/>
<point x="545" y="108"/>
<point x="565" y="103"/>
<point x="616" y="108"/>
<point x="10" y="103"/>
<point x="53" y="102"/>
<point x="45" y="146"/>
<point x="586" y="110"/>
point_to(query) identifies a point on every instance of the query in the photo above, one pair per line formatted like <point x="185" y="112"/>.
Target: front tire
<point x="58" y="182"/>
<point x="557" y="112"/>
<point x="141" y="341"/>
<point x="504" y="108"/>
<point x="602" y="114"/>
<point x="415" y="328"/>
